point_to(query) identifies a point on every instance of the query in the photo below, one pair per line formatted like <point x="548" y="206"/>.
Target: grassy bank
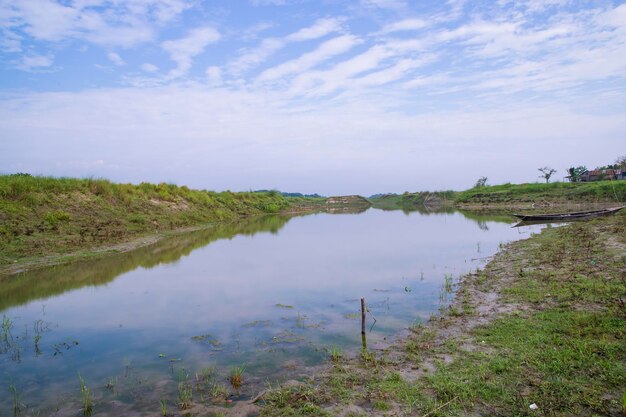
<point x="542" y="325"/>
<point x="413" y="201"/>
<point x="43" y="216"/>
<point x="510" y="196"/>
<point x="544" y="194"/>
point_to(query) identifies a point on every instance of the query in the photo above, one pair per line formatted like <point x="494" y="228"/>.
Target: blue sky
<point x="330" y="96"/>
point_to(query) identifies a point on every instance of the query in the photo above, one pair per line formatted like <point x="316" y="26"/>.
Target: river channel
<point x="270" y="296"/>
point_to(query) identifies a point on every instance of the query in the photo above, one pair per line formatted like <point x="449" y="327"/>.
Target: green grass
<point x="86" y="398"/>
<point x="185" y="390"/>
<point x="48" y="216"/>
<point x="560" y="346"/>
<point x="412" y="201"/>
<point x="599" y="191"/>
<point x="507" y="195"/>
<point x="235" y="376"/>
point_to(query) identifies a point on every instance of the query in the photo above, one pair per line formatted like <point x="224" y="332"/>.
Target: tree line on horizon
<point x="574" y="173"/>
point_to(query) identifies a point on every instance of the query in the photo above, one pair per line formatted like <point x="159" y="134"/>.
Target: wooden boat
<point x="568" y="216"/>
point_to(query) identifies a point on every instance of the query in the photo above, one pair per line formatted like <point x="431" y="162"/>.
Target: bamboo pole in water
<point x="362" y="315"/>
<point x="363" y="340"/>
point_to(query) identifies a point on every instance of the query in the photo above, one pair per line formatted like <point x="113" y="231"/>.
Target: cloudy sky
<point x="324" y="96"/>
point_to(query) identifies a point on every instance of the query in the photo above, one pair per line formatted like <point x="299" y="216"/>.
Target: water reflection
<point x="231" y="296"/>
<point x="45" y="282"/>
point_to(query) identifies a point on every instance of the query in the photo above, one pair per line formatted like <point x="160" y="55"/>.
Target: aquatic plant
<point x="205" y="375"/>
<point x="448" y="282"/>
<point x="235" y="376"/>
<point x="335" y="354"/>
<point x="110" y="384"/>
<point x="7" y="337"/>
<point x="17" y="405"/>
<point x="219" y="392"/>
<point x="163" y="405"/>
<point x="86" y="396"/>
<point x="185" y="390"/>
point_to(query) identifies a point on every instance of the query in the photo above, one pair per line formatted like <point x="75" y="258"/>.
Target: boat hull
<point x="568" y="216"/>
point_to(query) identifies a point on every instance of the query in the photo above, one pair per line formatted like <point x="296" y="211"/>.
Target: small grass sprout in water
<point x="219" y="393"/>
<point x="185" y="390"/>
<point x="110" y="384"/>
<point x="205" y="375"/>
<point x="17" y="404"/>
<point x="235" y="376"/>
<point x="448" y="283"/>
<point x="7" y="337"/>
<point x="163" y="406"/>
<point x="335" y="354"/>
<point x="87" y="397"/>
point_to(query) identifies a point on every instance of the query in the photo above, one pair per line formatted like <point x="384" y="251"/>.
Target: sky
<point x="325" y="96"/>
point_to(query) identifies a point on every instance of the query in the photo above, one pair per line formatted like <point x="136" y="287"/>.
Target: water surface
<point x="272" y="294"/>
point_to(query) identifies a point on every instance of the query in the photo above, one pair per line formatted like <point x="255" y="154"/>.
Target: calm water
<point x="271" y="294"/>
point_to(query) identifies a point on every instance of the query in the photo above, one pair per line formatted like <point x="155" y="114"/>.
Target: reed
<point x="235" y="376"/>
<point x="86" y="396"/>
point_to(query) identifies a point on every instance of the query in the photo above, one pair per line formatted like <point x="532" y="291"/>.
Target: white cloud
<point x="116" y="59"/>
<point x="320" y="28"/>
<point x="268" y="2"/>
<point x="405" y="25"/>
<point x="35" y="62"/>
<point x="326" y="50"/>
<point x="384" y="4"/>
<point x="214" y="75"/>
<point x="103" y="22"/>
<point x="261" y="130"/>
<point x="269" y="46"/>
<point x="329" y="81"/>
<point x="147" y="67"/>
<point x="183" y="50"/>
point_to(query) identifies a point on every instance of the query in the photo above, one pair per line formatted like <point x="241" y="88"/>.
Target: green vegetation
<point x="163" y="406"/>
<point x="52" y="216"/>
<point x="505" y="195"/>
<point x="16" y="401"/>
<point x="552" y="339"/>
<point x="335" y="354"/>
<point x="413" y="201"/>
<point x="87" y="398"/>
<point x="556" y="192"/>
<point x="185" y="390"/>
<point x="235" y="376"/>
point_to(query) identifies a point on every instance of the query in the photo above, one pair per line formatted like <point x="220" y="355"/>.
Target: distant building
<point x="603" y="174"/>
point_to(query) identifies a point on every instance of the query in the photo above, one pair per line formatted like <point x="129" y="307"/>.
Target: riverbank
<point x="538" y="331"/>
<point x="546" y="197"/>
<point x="46" y="220"/>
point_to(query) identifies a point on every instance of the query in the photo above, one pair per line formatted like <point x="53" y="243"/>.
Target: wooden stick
<point x="258" y="397"/>
<point x="362" y="315"/>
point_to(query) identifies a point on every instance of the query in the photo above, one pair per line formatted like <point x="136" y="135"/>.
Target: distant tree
<point x="481" y="182"/>
<point x="621" y="162"/>
<point x="575" y="173"/>
<point x="546" y="172"/>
